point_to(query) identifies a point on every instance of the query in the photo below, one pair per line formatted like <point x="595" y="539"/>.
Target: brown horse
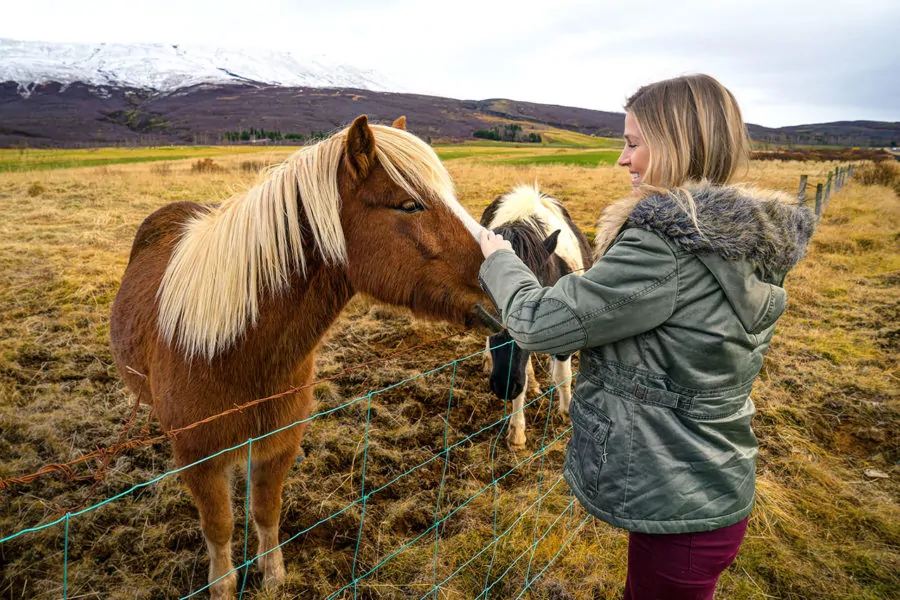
<point x="224" y="304"/>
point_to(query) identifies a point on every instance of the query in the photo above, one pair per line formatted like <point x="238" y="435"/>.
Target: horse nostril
<point x="505" y="389"/>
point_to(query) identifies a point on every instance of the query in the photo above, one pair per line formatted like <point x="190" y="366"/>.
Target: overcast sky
<point x="788" y="61"/>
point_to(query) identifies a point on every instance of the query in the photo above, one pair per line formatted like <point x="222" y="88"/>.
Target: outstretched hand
<point x="491" y="242"/>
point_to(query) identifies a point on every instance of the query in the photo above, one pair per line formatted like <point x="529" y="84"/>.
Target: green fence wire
<point x="357" y="575"/>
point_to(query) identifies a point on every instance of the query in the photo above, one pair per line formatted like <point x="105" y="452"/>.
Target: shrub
<point x="487" y="134"/>
<point x="161" y="169"/>
<point x="253" y="166"/>
<point x="879" y="173"/>
<point x="205" y="165"/>
<point x="36" y="189"/>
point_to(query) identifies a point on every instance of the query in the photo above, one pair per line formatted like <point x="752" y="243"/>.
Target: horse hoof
<point x="515" y="447"/>
<point x="224" y="590"/>
<point x="515" y="441"/>
<point x="272" y="567"/>
<point x="274" y="577"/>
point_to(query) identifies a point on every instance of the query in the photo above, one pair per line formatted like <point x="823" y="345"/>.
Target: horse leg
<point x="210" y="487"/>
<point x="488" y="358"/>
<point x="533" y="387"/>
<point x="561" y="375"/>
<point x="266" y="484"/>
<point x="516" y="436"/>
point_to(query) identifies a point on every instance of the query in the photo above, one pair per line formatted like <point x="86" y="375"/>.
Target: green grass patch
<point x="451" y="154"/>
<point x="42" y="160"/>
<point x="573" y="139"/>
<point x="580" y="159"/>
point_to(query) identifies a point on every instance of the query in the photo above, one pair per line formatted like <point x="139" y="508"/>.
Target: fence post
<point x="827" y="195"/>
<point x="801" y="195"/>
<point x="818" y="200"/>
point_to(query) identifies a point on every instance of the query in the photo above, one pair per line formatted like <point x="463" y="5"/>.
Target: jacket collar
<point x="767" y="229"/>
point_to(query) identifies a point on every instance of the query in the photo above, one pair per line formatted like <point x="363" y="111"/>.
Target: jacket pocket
<point x="587" y="450"/>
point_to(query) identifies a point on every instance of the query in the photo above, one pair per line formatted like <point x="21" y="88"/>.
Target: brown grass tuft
<point x="206" y="165"/>
<point x="253" y="166"/>
<point x="879" y="173"/>
<point x="162" y="169"/>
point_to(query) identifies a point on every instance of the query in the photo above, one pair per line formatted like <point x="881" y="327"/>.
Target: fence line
<point x="366" y="494"/>
<point x="838" y="178"/>
<point x="114" y="449"/>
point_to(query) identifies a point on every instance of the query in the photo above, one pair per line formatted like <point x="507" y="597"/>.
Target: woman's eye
<point x="632" y="146"/>
<point x="411" y="206"/>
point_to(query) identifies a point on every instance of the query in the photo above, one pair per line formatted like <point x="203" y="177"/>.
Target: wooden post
<point x="818" y="200"/>
<point x="827" y="195"/>
<point x="801" y="195"/>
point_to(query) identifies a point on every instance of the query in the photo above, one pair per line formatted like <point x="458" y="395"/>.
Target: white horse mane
<point x="527" y="203"/>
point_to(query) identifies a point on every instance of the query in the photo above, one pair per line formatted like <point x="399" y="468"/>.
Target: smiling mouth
<point x="635" y="178"/>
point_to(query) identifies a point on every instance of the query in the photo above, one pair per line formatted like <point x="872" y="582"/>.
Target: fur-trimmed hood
<point x="767" y="229"/>
<point x="748" y="239"/>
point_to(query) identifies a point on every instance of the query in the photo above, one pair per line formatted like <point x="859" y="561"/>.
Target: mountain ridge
<point x="108" y="94"/>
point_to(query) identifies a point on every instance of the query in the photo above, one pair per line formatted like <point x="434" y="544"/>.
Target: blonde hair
<point x="693" y="128"/>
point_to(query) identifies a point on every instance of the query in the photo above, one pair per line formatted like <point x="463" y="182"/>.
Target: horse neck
<point x="293" y="322"/>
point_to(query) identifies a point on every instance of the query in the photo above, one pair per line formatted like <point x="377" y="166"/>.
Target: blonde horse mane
<point x="252" y="243"/>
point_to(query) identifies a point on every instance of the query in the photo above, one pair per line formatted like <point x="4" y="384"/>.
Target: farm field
<point x="826" y="523"/>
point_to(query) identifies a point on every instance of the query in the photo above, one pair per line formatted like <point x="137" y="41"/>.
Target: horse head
<point x="409" y="241"/>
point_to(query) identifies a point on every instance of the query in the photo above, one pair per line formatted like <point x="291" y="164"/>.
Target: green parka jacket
<point x="672" y="324"/>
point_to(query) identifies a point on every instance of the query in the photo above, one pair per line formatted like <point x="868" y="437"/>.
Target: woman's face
<point x="636" y="155"/>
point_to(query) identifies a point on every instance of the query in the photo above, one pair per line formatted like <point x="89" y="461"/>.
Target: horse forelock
<point x="254" y="243"/>
<point x="527" y="239"/>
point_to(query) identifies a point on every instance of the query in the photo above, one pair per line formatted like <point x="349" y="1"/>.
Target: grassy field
<point x="40" y="160"/>
<point x="826" y="523"/>
<point x="569" y="150"/>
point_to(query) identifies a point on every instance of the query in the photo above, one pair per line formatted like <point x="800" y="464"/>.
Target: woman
<point x="672" y="322"/>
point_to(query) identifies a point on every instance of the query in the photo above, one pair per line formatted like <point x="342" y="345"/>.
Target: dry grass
<point x="881" y="173"/>
<point x="827" y="400"/>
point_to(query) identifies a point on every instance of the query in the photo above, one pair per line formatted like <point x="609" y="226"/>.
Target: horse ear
<point x="551" y="240"/>
<point x="360" y="148"/>
<point x="400" y="123"/>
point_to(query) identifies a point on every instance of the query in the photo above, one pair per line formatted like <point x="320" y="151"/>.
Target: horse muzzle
<point x="482" y="316"/>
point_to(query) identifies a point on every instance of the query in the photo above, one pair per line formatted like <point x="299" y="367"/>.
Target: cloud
<point x="787" y="62"/>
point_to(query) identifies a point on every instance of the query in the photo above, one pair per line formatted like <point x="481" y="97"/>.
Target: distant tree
<point x="511" y="133"/>
<point x="488" y="134"/>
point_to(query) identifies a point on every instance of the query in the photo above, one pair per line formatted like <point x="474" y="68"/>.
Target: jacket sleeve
<point x="632" y="289"/>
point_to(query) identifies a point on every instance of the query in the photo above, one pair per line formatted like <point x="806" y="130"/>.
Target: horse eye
<point x="411" y="206"/>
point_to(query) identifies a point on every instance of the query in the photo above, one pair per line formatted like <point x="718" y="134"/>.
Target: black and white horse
<point x="543" y="235"/>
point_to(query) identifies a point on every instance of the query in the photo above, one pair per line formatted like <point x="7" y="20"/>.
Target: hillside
<point x="79" y="114"/>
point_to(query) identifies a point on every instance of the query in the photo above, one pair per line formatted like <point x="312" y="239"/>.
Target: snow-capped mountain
<point x="168" y="67"/>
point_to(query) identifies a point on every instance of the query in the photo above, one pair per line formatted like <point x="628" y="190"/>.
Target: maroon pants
<point x="680" y="566"/>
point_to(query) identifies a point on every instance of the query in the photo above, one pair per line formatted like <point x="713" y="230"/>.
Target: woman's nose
<point x="624" y="160"/>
